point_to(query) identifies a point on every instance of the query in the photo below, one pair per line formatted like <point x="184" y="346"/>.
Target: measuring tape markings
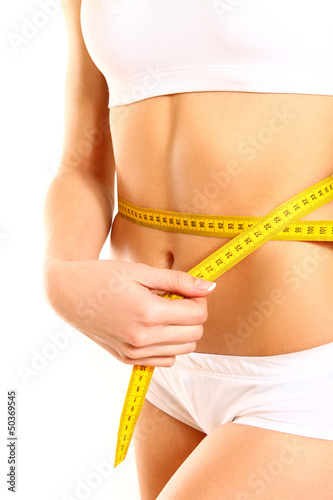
<point x="214" y="266"/>
<point x="221" y="226"/>
<point x="137" y="389"/>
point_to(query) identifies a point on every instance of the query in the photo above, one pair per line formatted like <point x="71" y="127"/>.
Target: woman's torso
<point x="232" y="153"/>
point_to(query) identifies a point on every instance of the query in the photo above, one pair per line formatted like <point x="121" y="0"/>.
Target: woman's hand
<point x="113" y="303"/>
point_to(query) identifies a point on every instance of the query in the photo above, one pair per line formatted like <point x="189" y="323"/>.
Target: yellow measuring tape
<point x="248" y="234"/>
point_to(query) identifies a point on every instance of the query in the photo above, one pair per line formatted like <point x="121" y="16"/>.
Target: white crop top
<point x="148" y="48"/>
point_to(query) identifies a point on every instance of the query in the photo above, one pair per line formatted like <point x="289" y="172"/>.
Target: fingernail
<point x="205" y="285"/>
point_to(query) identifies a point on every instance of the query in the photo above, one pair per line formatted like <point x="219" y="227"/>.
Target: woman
<point x="215" y="108"/>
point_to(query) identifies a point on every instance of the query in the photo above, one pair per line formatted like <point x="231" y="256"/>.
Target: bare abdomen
<point x="238" y="154"/>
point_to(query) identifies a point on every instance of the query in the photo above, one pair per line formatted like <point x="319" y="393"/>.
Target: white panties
<point x="291" y="392"/>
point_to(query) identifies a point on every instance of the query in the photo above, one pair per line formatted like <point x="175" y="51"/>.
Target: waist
<point x="247" y="233"/>
<point x="224" y="226"/>
<point x="286" y="292"/>
<point x="277" y="300"/>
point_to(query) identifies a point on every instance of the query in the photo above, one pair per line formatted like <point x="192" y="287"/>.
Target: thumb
<point x="171" y="280"/>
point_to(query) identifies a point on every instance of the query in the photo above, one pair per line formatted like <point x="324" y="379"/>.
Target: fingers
<point x="135" y="355"/>
<point x="157" y="310"/>
<point x="153" y="355"/>
<point x="141" y="327"/>
<point x="143" y="358"/>
<point x="172" y="280"/>
<point x="168" y="335"/>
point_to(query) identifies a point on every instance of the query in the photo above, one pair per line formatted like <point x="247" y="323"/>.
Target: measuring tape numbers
<point x="247" y="234"/>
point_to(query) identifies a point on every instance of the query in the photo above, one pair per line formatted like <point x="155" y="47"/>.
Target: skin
<point x="167" y="151"/>
<point x="183" y="141"/>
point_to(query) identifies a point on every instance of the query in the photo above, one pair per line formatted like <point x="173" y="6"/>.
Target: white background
<point x="70" y="396"/>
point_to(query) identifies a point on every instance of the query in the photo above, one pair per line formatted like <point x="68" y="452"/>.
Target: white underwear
<point x="290" y="393"/>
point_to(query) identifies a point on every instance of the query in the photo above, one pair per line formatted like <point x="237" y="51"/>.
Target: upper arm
<point x="87" y="139"/>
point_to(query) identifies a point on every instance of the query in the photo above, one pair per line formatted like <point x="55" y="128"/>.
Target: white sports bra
<point x="149" y="48"/>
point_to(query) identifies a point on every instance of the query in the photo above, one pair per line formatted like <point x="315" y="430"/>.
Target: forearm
<point x="77" y="216"/>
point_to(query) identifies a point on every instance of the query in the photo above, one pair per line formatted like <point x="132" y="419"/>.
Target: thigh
<point x="242" y="462"/>
<point x="161" y="444"/>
